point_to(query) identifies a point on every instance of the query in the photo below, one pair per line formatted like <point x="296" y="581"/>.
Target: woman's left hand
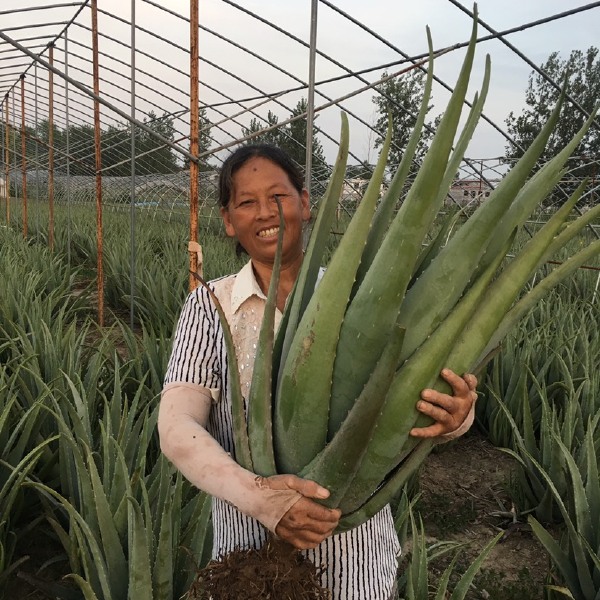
<point x="448" y="412"/>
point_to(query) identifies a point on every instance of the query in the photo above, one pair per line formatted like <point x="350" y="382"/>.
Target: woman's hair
<point x="242" y="155"/>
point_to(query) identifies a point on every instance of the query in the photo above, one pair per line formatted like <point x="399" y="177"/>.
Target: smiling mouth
<point x="268" y="232"/>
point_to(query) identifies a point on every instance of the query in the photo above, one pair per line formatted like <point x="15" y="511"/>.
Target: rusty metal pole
<point x="23" y="156"/>
<point x="7" y="160"/>
<point x="98" y="153"/>
<point x="194" y="132"/>
<point x="51" y="149"/>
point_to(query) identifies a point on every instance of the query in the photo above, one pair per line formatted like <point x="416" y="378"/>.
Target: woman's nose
<point x="267" y="207"/>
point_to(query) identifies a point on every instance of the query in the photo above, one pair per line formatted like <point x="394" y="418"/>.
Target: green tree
<point x="268" y="137"/>
<point x="157" y="158"/>
<point x="204" y="142"/>
<point x="583" y="69"/>
<point x="402" y="97"/>
<point x="290" y="137"/>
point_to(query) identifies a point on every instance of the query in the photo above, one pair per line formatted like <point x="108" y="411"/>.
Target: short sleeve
<point x="198" y="344"/>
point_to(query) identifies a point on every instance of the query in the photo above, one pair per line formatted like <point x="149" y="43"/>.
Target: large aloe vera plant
<point x="335" y="399"/>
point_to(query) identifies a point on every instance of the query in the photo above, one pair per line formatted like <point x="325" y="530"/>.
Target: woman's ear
<point x="305" y="205"/>
<point x="229" y="230"/>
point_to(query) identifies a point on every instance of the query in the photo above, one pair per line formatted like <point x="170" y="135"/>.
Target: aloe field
<point x="81" y="472"/>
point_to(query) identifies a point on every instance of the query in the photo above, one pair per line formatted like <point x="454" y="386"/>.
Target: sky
<point x="226" y="70"/>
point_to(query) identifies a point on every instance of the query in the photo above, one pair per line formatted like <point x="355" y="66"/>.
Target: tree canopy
<point x="151" y="155"/>
<point x="402" y="97"/>
<point x="582" y="70"/>
<point x="290" y="137"/>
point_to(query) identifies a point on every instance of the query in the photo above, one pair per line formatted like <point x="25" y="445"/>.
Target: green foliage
<point x="582" y="70"/>
<point x="576" y="555"/>
<point x="401" y="97"/>
<point x="414" y="583"/>
<point x="290" y="137"/>
<point x="543" y="387"/>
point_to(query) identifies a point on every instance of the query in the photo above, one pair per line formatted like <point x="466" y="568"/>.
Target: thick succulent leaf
<point x="363" y="335"/>
<point x="385" y="210"/>
<point x="260" y="410"/>
<point x="241" y="442"/>
<point x="434" y="294"/>
<point x="399" y="415"/>
<point x="313" y="257"/>
<point x="336" y="465"/>
<point x="302" y="408"/>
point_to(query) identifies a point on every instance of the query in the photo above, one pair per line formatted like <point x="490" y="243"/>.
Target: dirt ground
<point x="464" y="498"/>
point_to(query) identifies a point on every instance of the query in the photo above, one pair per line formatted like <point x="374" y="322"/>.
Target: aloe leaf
<point x="335" y="466"/>
<point x="140" y="573"/>
<point x="442" y="593"/>
<point x="162" y="571"/>
<point x="362" y="337"/>
<point x="463" y="586"/>
<point x="86" y="588"/>
<point x="260" y="410"/>
<point x="111" y="544"/>
<point x="502" y="293"/>
<point x="399" y="415"/>
<point x="241" y="442"/>
<point x="86" y="537"/>
<point x="525" y="201"/>
<point x="525" y="304"/>
<point x="388" y="489"/>
<point x="432" y="296"/>
<point x="313" y="257"/>
<point x="583" y="577"/>
<point x="432" y="249"/>
<point x="302" y="408"/>
<point x="573" y="228"/>
<point x="385" y="210"/>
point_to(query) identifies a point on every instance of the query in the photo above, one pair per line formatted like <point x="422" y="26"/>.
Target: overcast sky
<point x="229" y="71"/>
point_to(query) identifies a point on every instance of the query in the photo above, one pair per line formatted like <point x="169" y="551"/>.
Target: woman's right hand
<point x="307" y="523"/>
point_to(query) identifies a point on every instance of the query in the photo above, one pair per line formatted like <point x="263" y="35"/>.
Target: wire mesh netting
<point x="119" y="73"/>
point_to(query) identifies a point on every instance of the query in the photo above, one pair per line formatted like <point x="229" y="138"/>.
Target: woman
<point x="195" y="413"/>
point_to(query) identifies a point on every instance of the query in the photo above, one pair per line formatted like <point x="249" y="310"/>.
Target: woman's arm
<point x="281" y="503"/>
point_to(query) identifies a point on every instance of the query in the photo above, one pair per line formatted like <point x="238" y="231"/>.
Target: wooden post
<point x="194" y="132"/>
<point x="98" y="153"/>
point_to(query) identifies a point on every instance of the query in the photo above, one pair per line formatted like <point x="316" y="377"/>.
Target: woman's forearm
<point x="184" y="440"/>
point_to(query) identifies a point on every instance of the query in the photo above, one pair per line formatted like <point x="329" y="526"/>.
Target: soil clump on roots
<point x="277" y="571"/>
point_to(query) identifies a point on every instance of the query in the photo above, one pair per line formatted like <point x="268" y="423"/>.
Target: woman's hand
<point x="448" y="412"/>
<point x="306" y="524"/>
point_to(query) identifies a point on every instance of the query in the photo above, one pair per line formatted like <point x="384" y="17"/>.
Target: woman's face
<point x="252" y="215"/>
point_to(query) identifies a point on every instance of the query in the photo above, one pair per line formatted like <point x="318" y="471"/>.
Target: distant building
<point x="469" y="191"/>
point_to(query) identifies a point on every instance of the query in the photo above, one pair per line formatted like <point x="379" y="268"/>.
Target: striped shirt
<point x="359" y="564"/>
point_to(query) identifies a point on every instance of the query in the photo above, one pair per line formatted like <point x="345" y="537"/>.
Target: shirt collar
<point x="244" y="287"/>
